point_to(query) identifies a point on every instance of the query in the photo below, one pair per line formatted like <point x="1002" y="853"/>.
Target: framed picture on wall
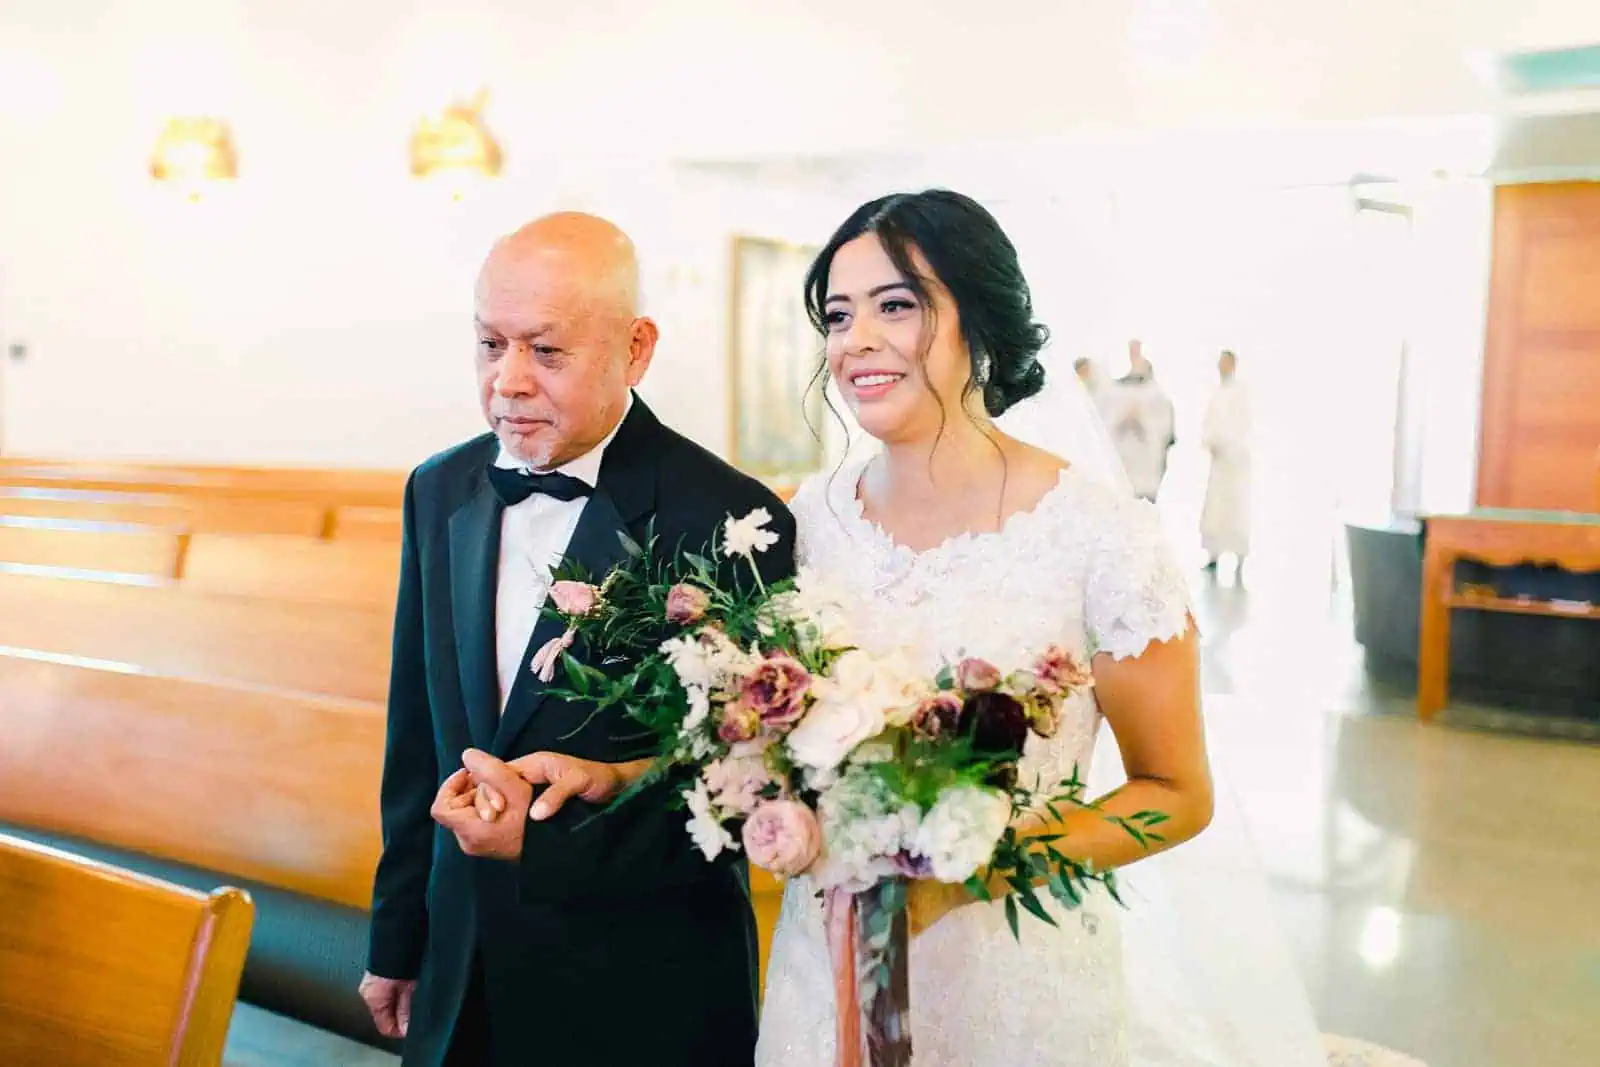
<point x="776" y="406"/>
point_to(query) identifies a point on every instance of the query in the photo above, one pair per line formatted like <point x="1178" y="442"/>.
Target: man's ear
<point x="641" y="348"/>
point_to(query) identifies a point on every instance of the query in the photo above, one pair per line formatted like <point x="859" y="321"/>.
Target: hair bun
<point x="1017" y="375"/>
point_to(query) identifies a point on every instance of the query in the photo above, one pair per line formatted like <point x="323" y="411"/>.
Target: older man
<point x="565" y="940"/>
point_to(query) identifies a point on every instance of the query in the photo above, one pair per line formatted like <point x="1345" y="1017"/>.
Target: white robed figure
<point x="967" y="533"/>
<point x="1140" y="417"/>
<point x="1225" y="518"/>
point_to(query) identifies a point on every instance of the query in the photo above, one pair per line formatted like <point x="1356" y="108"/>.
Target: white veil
<point x="1211" y="981"/>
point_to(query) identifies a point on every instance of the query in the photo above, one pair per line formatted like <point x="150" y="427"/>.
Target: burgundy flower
<point x="776" y="690"/>
<point x="937" y="716"/>
<point x="997" y="723"/>
<point x="977" y="675"/>
<point x="687" y="604"/>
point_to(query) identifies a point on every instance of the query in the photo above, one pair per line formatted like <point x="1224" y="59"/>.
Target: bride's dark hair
<point x="972" y="257"/>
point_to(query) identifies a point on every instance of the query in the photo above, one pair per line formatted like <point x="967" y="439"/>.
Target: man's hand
<point x="566" y="777"/>
<point x="457" y="808"/>
<point x="389" y="1001"/>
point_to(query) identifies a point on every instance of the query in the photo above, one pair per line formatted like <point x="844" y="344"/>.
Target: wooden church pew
<point x="196" y="513"/>
<point x="354" y="573"/>
<point x="331" y="649"/>
<point x="276" y="787"/>
<point x="102" y="967"/>
<point x="148" y="552"/>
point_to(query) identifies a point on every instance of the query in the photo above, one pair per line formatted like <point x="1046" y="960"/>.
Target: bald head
<point x="560" y="339"/>
<point x="584" y="255"/>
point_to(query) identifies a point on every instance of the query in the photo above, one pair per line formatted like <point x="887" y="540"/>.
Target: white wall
<point x="318" y="310"/>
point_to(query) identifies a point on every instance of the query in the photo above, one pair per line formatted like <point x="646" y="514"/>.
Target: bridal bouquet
<point x="816" y="757"/>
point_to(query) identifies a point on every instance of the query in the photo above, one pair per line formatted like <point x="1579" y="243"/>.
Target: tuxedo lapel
<point x="474" y="584"/>
<point x="626" y="491"/>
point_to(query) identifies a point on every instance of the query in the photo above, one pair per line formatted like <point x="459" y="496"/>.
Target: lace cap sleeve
<point x="810" y="509"/>
<point x="1136" y="592"/>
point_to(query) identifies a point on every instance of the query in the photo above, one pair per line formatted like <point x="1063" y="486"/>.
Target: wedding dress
<point x="1089" y="569"/>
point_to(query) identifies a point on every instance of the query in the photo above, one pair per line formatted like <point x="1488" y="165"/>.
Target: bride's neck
<point x="967" y="455"/>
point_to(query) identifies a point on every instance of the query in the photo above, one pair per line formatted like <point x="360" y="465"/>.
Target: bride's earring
<point x="983" y="369"/>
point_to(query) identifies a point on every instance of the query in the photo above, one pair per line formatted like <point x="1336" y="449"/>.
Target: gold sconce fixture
<point x="191" y="152"/>
<point x="456" y="145"/>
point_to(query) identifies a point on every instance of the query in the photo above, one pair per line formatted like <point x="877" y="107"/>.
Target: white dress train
<point x="1087" y="568"/>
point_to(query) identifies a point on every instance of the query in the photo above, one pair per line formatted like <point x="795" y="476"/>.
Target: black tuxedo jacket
<point x="612" y="941"/>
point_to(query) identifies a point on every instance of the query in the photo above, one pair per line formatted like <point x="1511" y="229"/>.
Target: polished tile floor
<point x="1438" y="886"/>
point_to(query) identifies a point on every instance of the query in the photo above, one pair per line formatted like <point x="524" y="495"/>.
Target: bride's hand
<point x="489" y="802"/>
<point x="928" y="901"/>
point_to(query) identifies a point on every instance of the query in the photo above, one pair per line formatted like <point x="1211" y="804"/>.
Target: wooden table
<point x="1499" y="538"/>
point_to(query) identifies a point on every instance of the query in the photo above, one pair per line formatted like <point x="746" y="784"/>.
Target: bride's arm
<point x="1152" y="704"/>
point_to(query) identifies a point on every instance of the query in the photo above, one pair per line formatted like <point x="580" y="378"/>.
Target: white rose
<point x="709" y="835"/>
<point x="831" y="730"/>
<point x="958" y="836"/>
<point x="886" y="681"/>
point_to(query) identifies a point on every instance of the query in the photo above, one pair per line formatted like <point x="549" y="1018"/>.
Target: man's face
<point x="555" y="362"/>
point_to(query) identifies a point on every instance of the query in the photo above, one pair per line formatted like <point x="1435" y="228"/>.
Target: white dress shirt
<point x="533" y="537"/>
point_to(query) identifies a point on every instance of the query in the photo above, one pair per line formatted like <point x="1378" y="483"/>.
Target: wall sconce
<point x="191" y="152"/>
<point x="456" y="146"/>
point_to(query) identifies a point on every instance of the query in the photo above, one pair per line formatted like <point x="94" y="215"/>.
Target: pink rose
<point x="739" y="723"/>
<point x="937" y="716"/>
<point x="575" y="599"/>
<point x="1058" y="673"/>
<point x="687" y="604"/>
<point x="776" y="690"/>
<point x="783" y="837"/>
<point x="977" y="675"/>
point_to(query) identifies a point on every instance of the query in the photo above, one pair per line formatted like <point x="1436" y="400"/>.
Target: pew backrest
<point x="102" y="967"/>
<point x="281" y="788"/>
<point x="334" y="649"/>
<point x="119" y="548"/>
<point x="355" y="572"/>
<point x="195" y="513"/>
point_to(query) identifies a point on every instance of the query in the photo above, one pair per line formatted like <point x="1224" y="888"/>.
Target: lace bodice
<point x="1087" y="568"/>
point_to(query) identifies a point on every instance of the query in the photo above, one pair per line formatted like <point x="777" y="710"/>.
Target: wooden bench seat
<point x="331" y="649"/>
<point x="101" y="967"/>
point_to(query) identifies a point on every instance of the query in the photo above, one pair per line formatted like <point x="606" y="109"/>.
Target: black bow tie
<point x="515" y="486"/>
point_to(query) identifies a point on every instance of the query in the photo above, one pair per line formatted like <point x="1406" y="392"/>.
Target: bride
<point x="955" y="538"/>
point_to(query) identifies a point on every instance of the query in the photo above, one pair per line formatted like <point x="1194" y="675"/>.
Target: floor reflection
<point x="1437" y="885"/>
